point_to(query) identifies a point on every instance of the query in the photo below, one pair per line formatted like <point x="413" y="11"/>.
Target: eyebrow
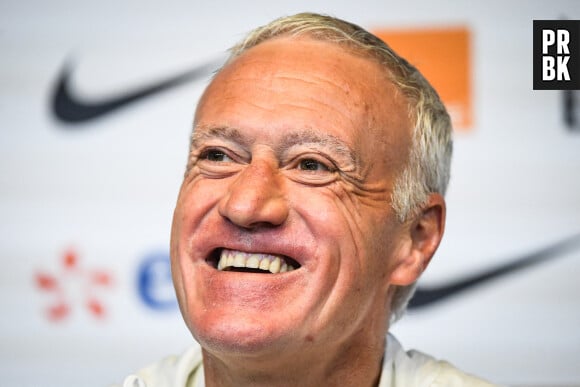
<point x="326" y="140"/>
<point x="202" y="133"/>
<point x="303" y="137"/>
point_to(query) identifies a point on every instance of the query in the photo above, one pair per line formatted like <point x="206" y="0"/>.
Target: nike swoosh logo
<point x="69" y="108"/>
<point x="425" y="296"/>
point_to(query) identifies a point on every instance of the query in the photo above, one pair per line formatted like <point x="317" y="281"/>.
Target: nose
<point x="256" y="197"/>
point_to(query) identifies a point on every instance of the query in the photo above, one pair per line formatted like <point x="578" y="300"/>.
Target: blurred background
<point x="96" y="105"/>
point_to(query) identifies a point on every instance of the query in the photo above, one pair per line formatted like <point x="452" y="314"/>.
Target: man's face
<point x="297" y="145"/>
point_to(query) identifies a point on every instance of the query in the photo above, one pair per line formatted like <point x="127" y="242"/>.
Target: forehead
<point x="305" y="84"/>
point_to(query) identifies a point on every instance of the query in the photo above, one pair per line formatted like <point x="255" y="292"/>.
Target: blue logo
<point x="154" y="282"/>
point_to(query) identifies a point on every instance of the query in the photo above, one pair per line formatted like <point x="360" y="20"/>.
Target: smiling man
<point x="311" y="204"/>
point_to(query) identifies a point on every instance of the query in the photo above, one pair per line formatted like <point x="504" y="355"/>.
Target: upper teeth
<point x="266" y="262"/>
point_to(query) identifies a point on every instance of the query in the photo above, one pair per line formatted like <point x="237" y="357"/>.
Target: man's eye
<point x="312" y="165"/>
<point x="215" y="155"/>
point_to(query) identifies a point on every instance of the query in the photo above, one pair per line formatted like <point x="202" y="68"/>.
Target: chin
<point x="233" y="334"/>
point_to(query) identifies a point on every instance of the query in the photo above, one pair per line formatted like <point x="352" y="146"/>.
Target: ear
<point x="423" y="234"/>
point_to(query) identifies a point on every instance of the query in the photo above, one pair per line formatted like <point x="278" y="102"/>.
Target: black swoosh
<point x="69" y="108"/>
<point x="429" y="295"/>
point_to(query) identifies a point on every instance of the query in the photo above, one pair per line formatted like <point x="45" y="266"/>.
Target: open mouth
<point x="232" y="260"/>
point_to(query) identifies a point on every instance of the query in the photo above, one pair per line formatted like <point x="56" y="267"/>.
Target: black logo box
<point x="573" y="28"/>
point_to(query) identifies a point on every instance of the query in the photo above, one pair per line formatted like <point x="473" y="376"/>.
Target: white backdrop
<point x="85" y="208"/>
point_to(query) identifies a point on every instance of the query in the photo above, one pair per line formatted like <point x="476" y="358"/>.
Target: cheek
<point x="196" y="200"/>
<point x="386" y="244"/>
<point x="365" y="227"/>
<point x="351" y="239"/>
<point x="338" y="213"/>
<point x="334" y="222"/>
<point x="326" y="214"/>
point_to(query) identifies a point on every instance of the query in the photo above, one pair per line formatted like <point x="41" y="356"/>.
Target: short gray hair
<point x="427" y="169"/>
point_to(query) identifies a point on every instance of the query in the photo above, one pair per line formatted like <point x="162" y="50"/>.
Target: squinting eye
<point x="215" y="155"/>
<point x="312" y="165"/>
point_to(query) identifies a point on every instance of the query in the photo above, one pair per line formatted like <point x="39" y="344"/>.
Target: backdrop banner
<point x="96" y="108"/>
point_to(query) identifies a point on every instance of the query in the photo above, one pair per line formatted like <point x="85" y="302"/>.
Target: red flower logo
<point x="72" y="286"/>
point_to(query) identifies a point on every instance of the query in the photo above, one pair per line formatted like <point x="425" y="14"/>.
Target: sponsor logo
<point x="154" y="283"/>
<point x="425" y="296"/>
<point x="443" y="55"/>
<point x="73" y="287"/>
<point x="69" y="107"/>
<point x="556" y="54"/>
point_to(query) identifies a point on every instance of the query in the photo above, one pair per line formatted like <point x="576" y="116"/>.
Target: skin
<point x="296" y="149"/>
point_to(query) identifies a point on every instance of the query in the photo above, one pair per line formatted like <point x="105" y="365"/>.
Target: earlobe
<point x="424" y="233"/>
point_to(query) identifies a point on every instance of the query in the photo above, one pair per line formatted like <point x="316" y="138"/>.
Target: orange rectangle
<point x="443" y="55"/>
